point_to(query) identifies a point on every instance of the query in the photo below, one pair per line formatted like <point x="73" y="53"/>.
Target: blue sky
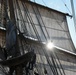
<point x="60" y="6"/>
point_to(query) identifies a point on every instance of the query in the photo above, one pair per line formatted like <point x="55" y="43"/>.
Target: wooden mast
<point x="73" y="13"/>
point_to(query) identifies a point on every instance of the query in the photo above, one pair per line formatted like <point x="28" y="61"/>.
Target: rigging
<point x="66" y="6"/>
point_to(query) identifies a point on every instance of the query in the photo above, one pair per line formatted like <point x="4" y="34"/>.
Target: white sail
<point x="53" y="23"/>
<point x="43" y="24"/>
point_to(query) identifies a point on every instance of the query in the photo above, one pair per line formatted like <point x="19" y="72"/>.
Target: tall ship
<point x="27" y="31"/>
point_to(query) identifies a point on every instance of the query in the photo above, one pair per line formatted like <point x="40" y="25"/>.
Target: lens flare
<point x="50" y="45"/>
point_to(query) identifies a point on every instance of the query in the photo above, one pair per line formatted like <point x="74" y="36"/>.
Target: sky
<point x="60" y="6"/>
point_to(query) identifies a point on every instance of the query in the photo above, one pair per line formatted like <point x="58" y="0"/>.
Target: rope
<point x="39" y="23"/>
<point x="43" y="22"/>
<point x="66" y="6"/>
<point x="57" y="58"/>
<point x="44" y="2"/>
<point x="53" y="69"/>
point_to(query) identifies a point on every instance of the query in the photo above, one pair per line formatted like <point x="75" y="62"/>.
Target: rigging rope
<point x="37" y="35"/>
<point x="53" y="69"/>
<point x="51" y="56"/>
<point x="39" y="18"/>
<point x="23" y="23"/>
<point x="66" y="6"/>
<point x="56" y="56"/>
<point x="44" y="2"/>
<point x="25" y="41"/>
<point x="48" y="62"/>
<point x="56" y="20"/>
<point x="58" y="60"/>
<point x="58" y="64"/>
<point x="31" y="21"/>
<point x="39" y="23"/>
<point x="43" y="23"/>
<point x="45" y="29"/>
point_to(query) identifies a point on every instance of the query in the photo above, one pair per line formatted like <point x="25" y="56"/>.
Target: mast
<point x="73" y="13"/>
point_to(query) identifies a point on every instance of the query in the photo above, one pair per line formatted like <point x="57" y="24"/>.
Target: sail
<point x="41" y="24"/>
<point x="34" y="19"/>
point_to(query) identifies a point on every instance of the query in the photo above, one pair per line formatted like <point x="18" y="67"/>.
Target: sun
<point x="50" y="45"/>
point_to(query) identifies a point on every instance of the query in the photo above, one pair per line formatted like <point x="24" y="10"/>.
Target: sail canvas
<point x="50" y="24"/>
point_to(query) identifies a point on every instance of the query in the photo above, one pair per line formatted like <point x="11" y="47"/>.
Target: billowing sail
<point x="41" y="24"/>
<point x="49" y="24"/>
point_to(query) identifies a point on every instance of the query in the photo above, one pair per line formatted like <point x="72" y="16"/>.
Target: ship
<point x="29" y="28"/>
